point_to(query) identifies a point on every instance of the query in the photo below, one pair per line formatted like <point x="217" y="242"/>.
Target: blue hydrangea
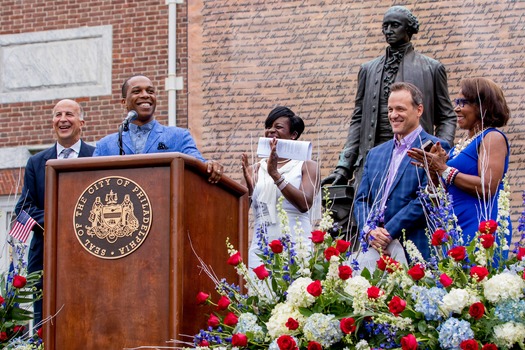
<point x="427" y="301"/>
<point x="323" y="329"/>
<point x="511" y="310"/>
<point x="248" y="324"/>
<point x="453" y="332"/>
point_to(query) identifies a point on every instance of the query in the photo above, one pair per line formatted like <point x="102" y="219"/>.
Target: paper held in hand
<point x="299" y="150"/>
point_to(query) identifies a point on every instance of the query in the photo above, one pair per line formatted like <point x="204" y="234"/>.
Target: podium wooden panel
<point x="147" y="297"/>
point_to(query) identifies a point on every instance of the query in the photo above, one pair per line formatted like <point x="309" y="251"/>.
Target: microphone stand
<point x="122" y="127"/>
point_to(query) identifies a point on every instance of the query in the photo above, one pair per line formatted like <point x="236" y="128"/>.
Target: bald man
<point x="68" y="121"/>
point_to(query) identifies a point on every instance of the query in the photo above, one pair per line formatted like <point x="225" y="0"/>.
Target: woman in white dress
<point x="271" y="178"/>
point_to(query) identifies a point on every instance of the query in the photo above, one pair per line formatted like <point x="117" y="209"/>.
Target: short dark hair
<point x="125" y="85"/>
<point x="412" y="22"/>
<point x="417" y="96"/>
<point x="488" y="98"/>
<point x="296" y="123"/>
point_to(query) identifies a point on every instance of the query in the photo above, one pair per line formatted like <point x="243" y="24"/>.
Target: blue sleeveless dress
<point x="471" y="210"/>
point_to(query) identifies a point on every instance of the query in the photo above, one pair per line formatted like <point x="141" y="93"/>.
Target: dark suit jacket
<point x="32" y="198"/>
<point x="424" y="72"/>
<point x="403" y="207"/>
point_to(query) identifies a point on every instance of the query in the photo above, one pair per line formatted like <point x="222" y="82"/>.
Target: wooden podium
<point x="116" y="277"/>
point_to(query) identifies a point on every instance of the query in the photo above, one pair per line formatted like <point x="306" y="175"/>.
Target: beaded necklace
<point x="462" y="144"/>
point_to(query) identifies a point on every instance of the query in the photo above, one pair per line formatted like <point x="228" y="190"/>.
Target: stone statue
<point x="369" y="126"/>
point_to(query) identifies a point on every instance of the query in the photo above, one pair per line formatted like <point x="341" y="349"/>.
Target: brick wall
<point x="140" y="45"/>
<point x="140" y="39"/>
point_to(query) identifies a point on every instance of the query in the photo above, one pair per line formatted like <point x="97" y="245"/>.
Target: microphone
<point x="132" y="115"/>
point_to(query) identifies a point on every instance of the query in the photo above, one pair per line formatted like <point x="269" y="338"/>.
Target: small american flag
<point x="22" y="227"/>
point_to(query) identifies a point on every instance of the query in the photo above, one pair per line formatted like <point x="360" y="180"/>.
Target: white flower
<point x="333" y="268"/>
<point x="362" y="345"/>
<point x="504" y="286"/>
<point x="509" y="333"/>
<point x="280" y="314"/>
<point x="297" y="294"/>
<point x="357" y="288"/>
<point x="456" y="300"/>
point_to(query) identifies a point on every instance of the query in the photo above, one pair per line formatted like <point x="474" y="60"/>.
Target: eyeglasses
<point x="461" y="102"/>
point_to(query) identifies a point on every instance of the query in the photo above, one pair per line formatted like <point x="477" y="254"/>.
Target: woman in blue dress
<point x="474" y="169"/>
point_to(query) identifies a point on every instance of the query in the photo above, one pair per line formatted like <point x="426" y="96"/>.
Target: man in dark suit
<point x="400" y="63"/>
<point x="145" y="134"/>
<point x="387" y="201"/>
<point x="68" y="120"/>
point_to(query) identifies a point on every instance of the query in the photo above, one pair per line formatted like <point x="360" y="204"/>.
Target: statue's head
<point x="399" y="24"/>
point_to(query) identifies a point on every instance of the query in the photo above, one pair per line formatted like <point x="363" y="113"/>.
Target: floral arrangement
<point x="468" y="296"/>
<point x="17" y="293"/>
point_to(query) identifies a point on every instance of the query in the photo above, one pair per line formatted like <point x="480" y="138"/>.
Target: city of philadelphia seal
<point x="112" y="217"/>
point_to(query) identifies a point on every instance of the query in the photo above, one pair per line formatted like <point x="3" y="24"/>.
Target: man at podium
<point x="145" y="134"/>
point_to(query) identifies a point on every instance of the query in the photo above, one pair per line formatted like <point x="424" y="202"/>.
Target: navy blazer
<point x="403" y="207"/>
<point x="161" y="139"/>
<point x="33" y="195"/>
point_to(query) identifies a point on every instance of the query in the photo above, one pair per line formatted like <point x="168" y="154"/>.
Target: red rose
<point x="315" y="288"/>
<point x="521" y="254"/>
<point x="204" y="343"/>
<point x="3" y="336"/>
<point x="489" y="347"/>
<point x="397" y="305"/>
<point x="458" y="253"/>
<point x="439" y="237"/>
<point x="318" y="237"/>
<point x="341" y="245"/>
<point x="1" y="300"/>
<point x="347" y="325"/>
<point x="329" y="252"/>
<point x="313" y="345"/>
<point x="417" y="272"/>
<point x="20" y="329"/>
<point x="409" y="342"/>
<point x="445" y="280"/>
<point x="202" y="297"/>
<point x="479" y="273"/>
<point x="230" y="319"/>
<point x="477" y="310"/>
<point x="286" y="342"/>
<point x="276" y="246"/>
<point x="261" y="272"/>
<point x="19" y="281"/>
<point x="235" y="259"/>
<point x="292" y="324"/>
<point x="489" y="226"/>
<point x="469" y="344"/>
<point x="213" y="321"/>
<point x="239" y="339"/>
<point x="345" y="272"/>
<point x="487" y="240"/>
<point x="382" y="262"/>
<point x="223" y="303"/>
<point x="39" y="332"/>
<point x="374" y="292"/>
<point x="386" y="263"/>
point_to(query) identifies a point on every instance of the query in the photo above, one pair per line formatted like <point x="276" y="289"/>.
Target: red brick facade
<point x="140" y="45"/>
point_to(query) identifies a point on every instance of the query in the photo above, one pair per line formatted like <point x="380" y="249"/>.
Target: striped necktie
<point x="66" y="152"/>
